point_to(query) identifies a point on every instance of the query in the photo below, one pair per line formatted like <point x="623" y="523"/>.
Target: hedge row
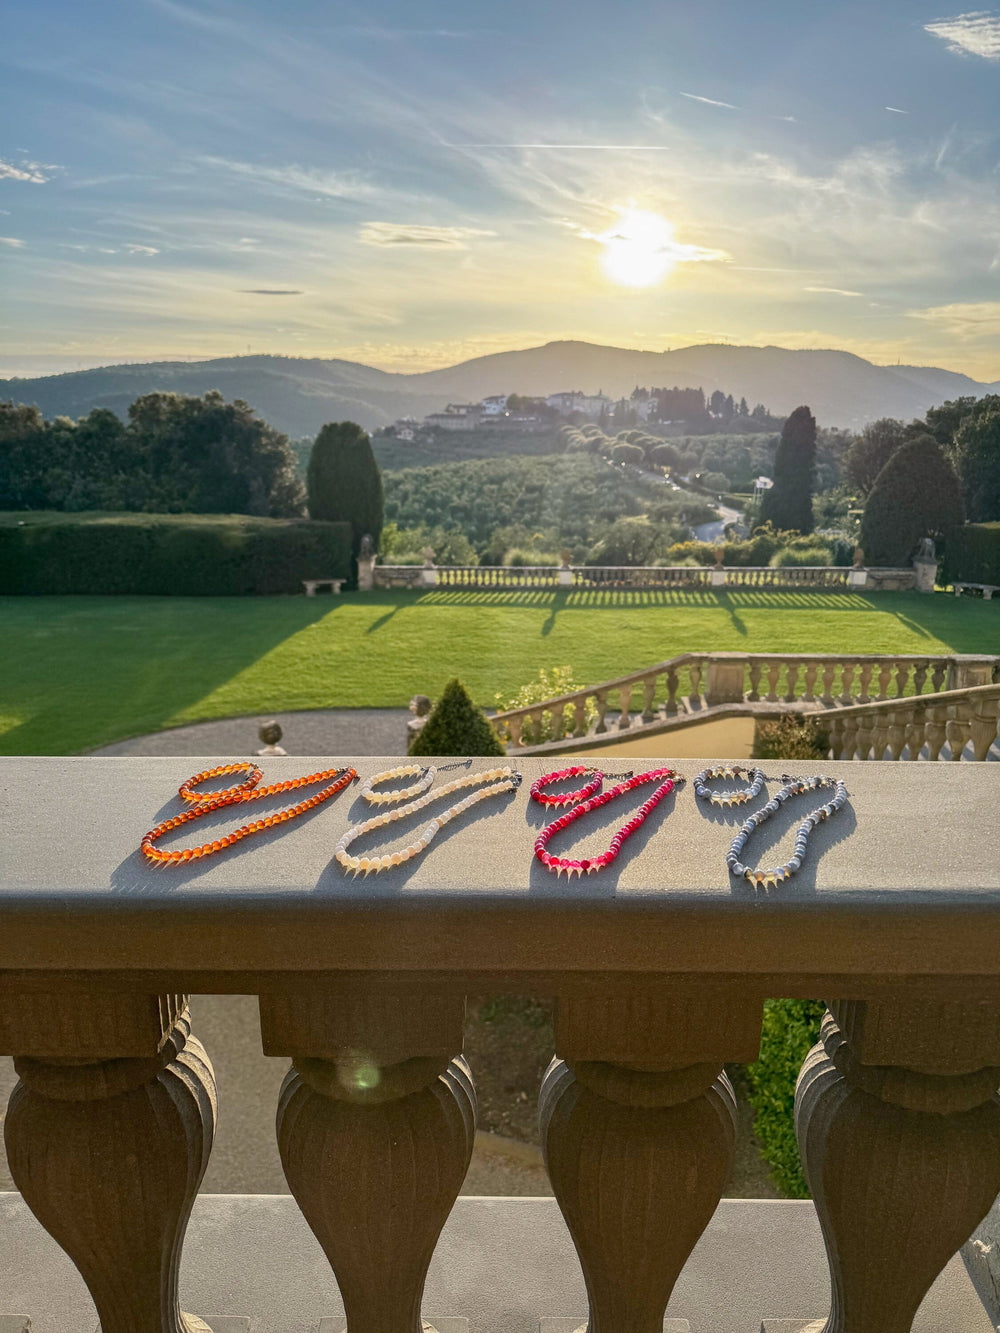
<point x="174" y="555"/>
<point x="790" y="1029"/>
<point x="972" y="554"/>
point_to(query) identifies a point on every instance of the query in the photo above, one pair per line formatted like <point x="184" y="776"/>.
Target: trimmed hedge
<point x="179" y="555"/>
<point x="972" y="554"/>
<point x="790" y="1030"/>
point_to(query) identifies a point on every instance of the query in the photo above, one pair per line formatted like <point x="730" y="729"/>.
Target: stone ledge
<point x="503" y="1264"/>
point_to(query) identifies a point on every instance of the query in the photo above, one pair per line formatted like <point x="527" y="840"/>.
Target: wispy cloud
<point x="12" y="241"/>
<point x="401" y="233"/>
<point x="963" y="319"/>
<point x="833" y="291"/>
<point x="36" y="173"/>
<point x="569" y="147"/>
<point x="313" y="180"/>
<point x="710" y="101"/>
<point x="142" y="249"/>
<point x="403" y="34"/>
<point x="272" y="291"/>
<point x="896" y="110"/>
<point x="976" y="33"/>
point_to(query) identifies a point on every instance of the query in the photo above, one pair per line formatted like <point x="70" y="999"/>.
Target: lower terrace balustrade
<point x="659" y="967"/>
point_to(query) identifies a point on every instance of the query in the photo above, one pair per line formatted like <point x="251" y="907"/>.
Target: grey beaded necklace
<point x="793" y="787"/>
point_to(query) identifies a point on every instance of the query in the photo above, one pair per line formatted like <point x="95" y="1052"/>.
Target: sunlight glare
<point x="640" y="249"/>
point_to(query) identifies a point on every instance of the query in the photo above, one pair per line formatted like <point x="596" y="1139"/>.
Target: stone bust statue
<point x="926" y="549"/>
<point x="367" y="548"/>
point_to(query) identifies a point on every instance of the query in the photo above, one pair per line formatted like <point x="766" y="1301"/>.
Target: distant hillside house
<point x="565" y="403"/>
<point x="456" y="416"/>
<point x="495" y="405"/>
<point x="406" y="428"/>
<point x="593" y="404"/>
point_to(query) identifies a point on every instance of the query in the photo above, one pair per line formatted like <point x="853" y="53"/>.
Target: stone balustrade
<point x="583" y="577"/>
<point x="964" y="723"/>
<point x="696" y="683"/>
<point x="659" y="968"/>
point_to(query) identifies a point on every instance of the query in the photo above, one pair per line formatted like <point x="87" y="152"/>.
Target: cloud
<point x="314" y="180"/>
<point x="142" y="249"/>
<point x="272" y="291"/>
<point x="36" y="173"/>
<point x="563" y="147"/>
<point x="896" y="110"/>
<point x="833" y="291"/>
<point x="442" y="238"/>
<point x="963" y="319"/>
<point x="12" y="241"/>
<point x="710" y="101"/>
<point x="977" y="33"/>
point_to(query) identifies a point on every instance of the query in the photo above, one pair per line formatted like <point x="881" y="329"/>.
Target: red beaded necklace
<point x="205" y="802"/>
<point x="667" y="779"/>
<point x="570" y="797"/>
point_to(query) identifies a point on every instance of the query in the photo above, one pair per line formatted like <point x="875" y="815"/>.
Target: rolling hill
<point x="299" y="394"/>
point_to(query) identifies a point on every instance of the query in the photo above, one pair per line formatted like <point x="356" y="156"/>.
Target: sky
<point x="410" y="185"/>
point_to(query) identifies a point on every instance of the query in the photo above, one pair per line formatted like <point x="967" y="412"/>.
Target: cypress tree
<point x="915" y="495"/>
<point x="457" y="727"/>
<point x="788" y="504"/>
<point x="344" y="482"/>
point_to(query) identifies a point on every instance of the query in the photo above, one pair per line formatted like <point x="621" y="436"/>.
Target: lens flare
<point x="640" y="249"/>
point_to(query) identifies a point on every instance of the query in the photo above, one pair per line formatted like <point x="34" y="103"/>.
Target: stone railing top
<point x="904" y="881"/>
<point x="972" y="694"/>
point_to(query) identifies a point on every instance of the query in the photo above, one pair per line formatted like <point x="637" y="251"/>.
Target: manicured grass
<point x="78" y="672"/>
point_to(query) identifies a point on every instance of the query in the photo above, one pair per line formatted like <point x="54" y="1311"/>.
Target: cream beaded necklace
<point x="503" y="780"/>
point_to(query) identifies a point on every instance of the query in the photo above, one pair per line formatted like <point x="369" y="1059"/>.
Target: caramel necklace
<point x="204" y="802"/>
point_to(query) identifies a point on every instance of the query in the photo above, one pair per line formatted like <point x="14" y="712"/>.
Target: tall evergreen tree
<point x="788" y="504"/>
<point x="344" y="481"/>
<point x="870" y="452"/>
<point x="915" y="495"/>
<point x="977" y="457"/>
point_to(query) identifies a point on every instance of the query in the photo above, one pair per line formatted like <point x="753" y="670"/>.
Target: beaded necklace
<point x="570" y="797"/>
<point x="738" y="797"/>
<point x="667" y="779"/>
<point x="793" y="787"/>
<point x="504" y="780"/>
<point x="204" y="802"/>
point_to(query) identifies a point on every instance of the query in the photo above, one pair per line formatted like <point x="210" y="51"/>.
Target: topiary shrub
<point x="915" y="495"/>
<point x="972" y="554"/>
<point x="790" y="1029"/>
<point x="456" y="727"/>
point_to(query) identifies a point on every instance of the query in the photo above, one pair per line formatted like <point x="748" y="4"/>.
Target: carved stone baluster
<point x="791" y="680"/>
<point x="694" y="675"/>
<point x="755" y="669"/>
<point x="847" y="682"/>
<point x="915" y="732"/>
<point x="673" y="684"/>
<point x="902" y="676"/>
<point x="898" y="720"/>
<point x="648" y="699"/>
<point x="828" y="673"/>
<point x="866" y="735"/>
<point x="836" y="733"/>
<point x="558" y="721"/>
<point x="601" y="699"/>
<point x="936" y="729"/>
<point x="108" y="1136"/>
<point x="637" y="1122"/>
<point x="864" y="680"/>
<point x="536" y="722"/>
<point x="812" y="668"/>
<point x="514" y="727"/>
<point x="958" y="728"/>
<point x="625" y="703"/>
<point x="773" y="672"/>
<point x="880" y="732"/>
<point x="984" y="726"/>
<point x="580" y="715"/>
<point x="884" y="677"/>
<point x="919" y="677"/>
<point x="375" y="1126"/>
<point x="902" y="1165"/>
<point x="850" y="742"/>
<point x="938" y="676"/>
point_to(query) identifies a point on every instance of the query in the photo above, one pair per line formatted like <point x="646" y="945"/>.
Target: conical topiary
<point x="457" y="727"/>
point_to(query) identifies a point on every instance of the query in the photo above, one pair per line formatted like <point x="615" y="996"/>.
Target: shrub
<point x="518" y="557"/>
<point x="690" y="553"/>
<point x="790" y="737"/>
<point x="456" y="727"/>
<point x="790" y="1028"/>
<point x="548" y="684"/>
<point x="628" y="453"/>
<point x="972" y="554"/>
<point x="169" y="554"/>
<point x="344" y="481"/>
<point x="793" y="556"/>
<point x="915" y="495"/>
<point x="977" y="457"/>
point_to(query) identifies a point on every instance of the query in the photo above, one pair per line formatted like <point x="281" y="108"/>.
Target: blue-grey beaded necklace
<point x="737" y="797"/>
<point x="793" y="787"/>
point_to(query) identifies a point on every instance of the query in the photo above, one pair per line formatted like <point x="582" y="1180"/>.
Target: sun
<point x="640" y="249"/>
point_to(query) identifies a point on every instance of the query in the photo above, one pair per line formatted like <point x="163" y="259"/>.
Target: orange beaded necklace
<point x="205" y="802"/>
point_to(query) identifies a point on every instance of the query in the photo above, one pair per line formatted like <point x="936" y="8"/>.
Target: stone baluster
<point x="938" y="676"/>
<point x="601" y="699"/>
<point x="864" y="680"/>
<point x="637" y="1122"/>
<point x="899" y="1131"/>
<point x="535" y="721"/>
<point x="899" y="719"/>
<point x="108" y="1136"/>
<point x="694" y="675"/>
<point x="755" y="670"/>
<point x="915" y="732"/>
<point x="902" y="676"/>
<point x="791" y="680"/>
<point x="375" y="1126"/>
<point x="958" y="728"/>
<point x="513" y="725"/>
<point x="850" y="741"/>
<point x="827" y="698"/>
<point x="836" y="733"/>
<point x="625" y="704"/>
<point x="936" y="729"/>
<point x="649" y="699"/>
<point x="866" y="735"/>
<point x="884" y="677"/>
<point x="558" y="721"/>
<point x="670" y="707"/>
<point x="880" y="732"/>
<point x="812" y="670"/>
<point x="984" y="725"/>
<point x="919" y="677"/>
<point x="847" y="682"/>
<point x="580" y="715"/>
<point x="773" y="672"/>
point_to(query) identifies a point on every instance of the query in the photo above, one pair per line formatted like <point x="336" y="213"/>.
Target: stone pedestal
<point x="926" y="572"/>
<point x="429" y="576"/>
<point x="717" y="578"/>
<point x="857" y="578"/>
<point x="366" y="573"/>
<point x="565" y="577"/>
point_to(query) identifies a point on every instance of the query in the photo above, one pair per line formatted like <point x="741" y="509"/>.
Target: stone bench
<point x="311" y="585"/>
<point x="987" y="589"/>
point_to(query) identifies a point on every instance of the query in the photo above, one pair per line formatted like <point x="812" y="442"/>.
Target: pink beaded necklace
<point x="538" y="793"/>
<point x="667" y="779"/>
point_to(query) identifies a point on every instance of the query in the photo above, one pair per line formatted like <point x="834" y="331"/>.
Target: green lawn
<point x="78" y="672"/>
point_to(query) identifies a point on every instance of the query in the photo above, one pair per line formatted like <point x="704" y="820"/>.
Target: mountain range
<point x="299" y="394"/>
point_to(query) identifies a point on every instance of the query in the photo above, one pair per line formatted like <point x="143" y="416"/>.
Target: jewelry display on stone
<point x="570" y="797"/>
<point x="504" y="780"/>
<point x="425" y="777"/>
<point x="792" y="787"/>
<point x="204" y="803"/>
<point x="738" y="797"/>
<point x="667" y="779"/>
